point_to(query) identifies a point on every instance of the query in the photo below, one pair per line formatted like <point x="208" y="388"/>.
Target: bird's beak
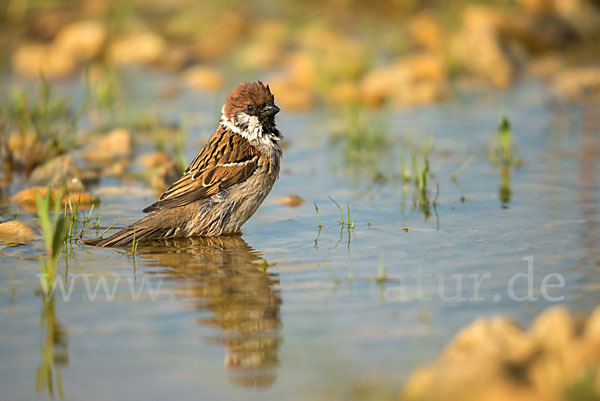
<point x="270" y="109"/>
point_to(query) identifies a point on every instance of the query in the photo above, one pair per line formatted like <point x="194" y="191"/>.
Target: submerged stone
<point x="62" y="170"/>
<point x="291" y="200"/>
<point x="17" y="232"/>
<point x="115" y="145"/>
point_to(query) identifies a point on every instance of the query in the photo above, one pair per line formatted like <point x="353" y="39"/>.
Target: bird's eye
<point x="250" y="108"/>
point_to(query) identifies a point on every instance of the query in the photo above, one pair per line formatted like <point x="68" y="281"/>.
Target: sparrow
<point x="225" y="183"/>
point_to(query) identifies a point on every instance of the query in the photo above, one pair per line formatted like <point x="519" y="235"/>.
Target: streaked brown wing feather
<point x="227" y="159"/>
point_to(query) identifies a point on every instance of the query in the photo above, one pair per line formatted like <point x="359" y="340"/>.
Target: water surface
<point x="291" y="311"/>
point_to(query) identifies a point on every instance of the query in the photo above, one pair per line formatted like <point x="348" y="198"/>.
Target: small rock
<point x="345" y="94"/>
<point x="420" y="93"/>
<point x="138" y="48"/>
<point x="90" y="177"/>
<point x="265" y="49"/>
<point x="592" y="327"/>
<point x="546" y="67"/>
<point x="124" y="191"/>
<point x="117" y="168"/>
<point x="26" y="197"/>
<point x="335" y="57"/>
<point x="82" y="39"/>
<point x="85" y="199"/>
<point x="426" y="31"/>
<point x="203" y="78"/>
<point x="153" y="160"/>
<point x="25" y="149"/>
<point x="577" y="82"/>
<point x="492" y="359"/>
<point x="490" y="338"/>
<point x="582" y="15"/>
<point x="115" y="145"/>
<point x="302" y="69"/>
<point x="291" y="96"/>
<point x="259" y="55"/>
<point x="16" y="232"/>
<point x="479" y="48"/>
<point x="553" y="329"/>
<point x="31" y="60"/>
<point x="61" y="170"/>
<point x="165" y="175"/>
<point x="413" y="80"/>
<point x="291" y="200"/>
<point x="537" y="7"/>
<point x="209" y="46"/>
<point x="176" y="57"/>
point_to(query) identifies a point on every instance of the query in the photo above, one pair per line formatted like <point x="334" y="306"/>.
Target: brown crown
<point x="255" y="93"/>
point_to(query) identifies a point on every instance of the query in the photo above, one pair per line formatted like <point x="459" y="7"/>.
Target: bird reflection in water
<point x="225" y="276"/>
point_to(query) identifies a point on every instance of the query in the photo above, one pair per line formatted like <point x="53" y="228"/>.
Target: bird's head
<point x="250" y="112"/>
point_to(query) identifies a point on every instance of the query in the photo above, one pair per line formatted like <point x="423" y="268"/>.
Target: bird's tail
<point x="125" y="237"/>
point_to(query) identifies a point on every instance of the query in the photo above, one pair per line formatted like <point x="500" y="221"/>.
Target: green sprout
<point x="54" y="230"/>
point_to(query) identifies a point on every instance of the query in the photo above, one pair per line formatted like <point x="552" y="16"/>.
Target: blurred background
<point x="340" y="52"/>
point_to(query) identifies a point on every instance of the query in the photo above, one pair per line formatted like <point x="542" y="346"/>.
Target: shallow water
<point x="288" y="310"/>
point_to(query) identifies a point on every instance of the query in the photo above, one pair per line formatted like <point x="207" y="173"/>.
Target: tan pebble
<point x="576" y="82"/>
<point x="492" y="337"/>
<point x="417" y="79"/>
<point x="478" y="46"/>
<point x="28" y="59"/>
<point x="345" y="94"/>
<point x="26" y="149"/>
<point x="260" y="55"/>
<point x="31" y="60"/>
<point x="17" y="232"/>
<point x="592" y="334"/>
<point x="426" y="31"/>
<point x="116" y="168"/>
<point x="114" y="145"/>
<point x="203" y="78"/>
<point x="291" y="97"/>
<point x="138" y="48"/>
<point x="26" y="197"/>
<point x="123" y="191"/>
<point x="153" y="160"/>
<point x="420" y="93"/>
<point x="553" y="329"/>
<point x="210" y="46"/>
<point x="302" y="69"/>
<point x="538" y="7"/>
<point x="291" y="200"/>
<point x="61" y="170"/>
<point x="82" y="39"/>
<point x="85" y="199"/>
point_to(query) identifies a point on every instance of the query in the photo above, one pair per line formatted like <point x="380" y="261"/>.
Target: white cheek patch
<point x="254" y="130"/>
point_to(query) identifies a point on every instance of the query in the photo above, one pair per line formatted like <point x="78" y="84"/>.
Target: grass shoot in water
<point x="54" y="230"/>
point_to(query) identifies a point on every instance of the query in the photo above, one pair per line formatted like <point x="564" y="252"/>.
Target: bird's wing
<point x="227" y="159"/>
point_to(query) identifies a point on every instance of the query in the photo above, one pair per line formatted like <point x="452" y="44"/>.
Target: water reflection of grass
<point x="54" y="349"/>
<point x="503" y="152"/>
